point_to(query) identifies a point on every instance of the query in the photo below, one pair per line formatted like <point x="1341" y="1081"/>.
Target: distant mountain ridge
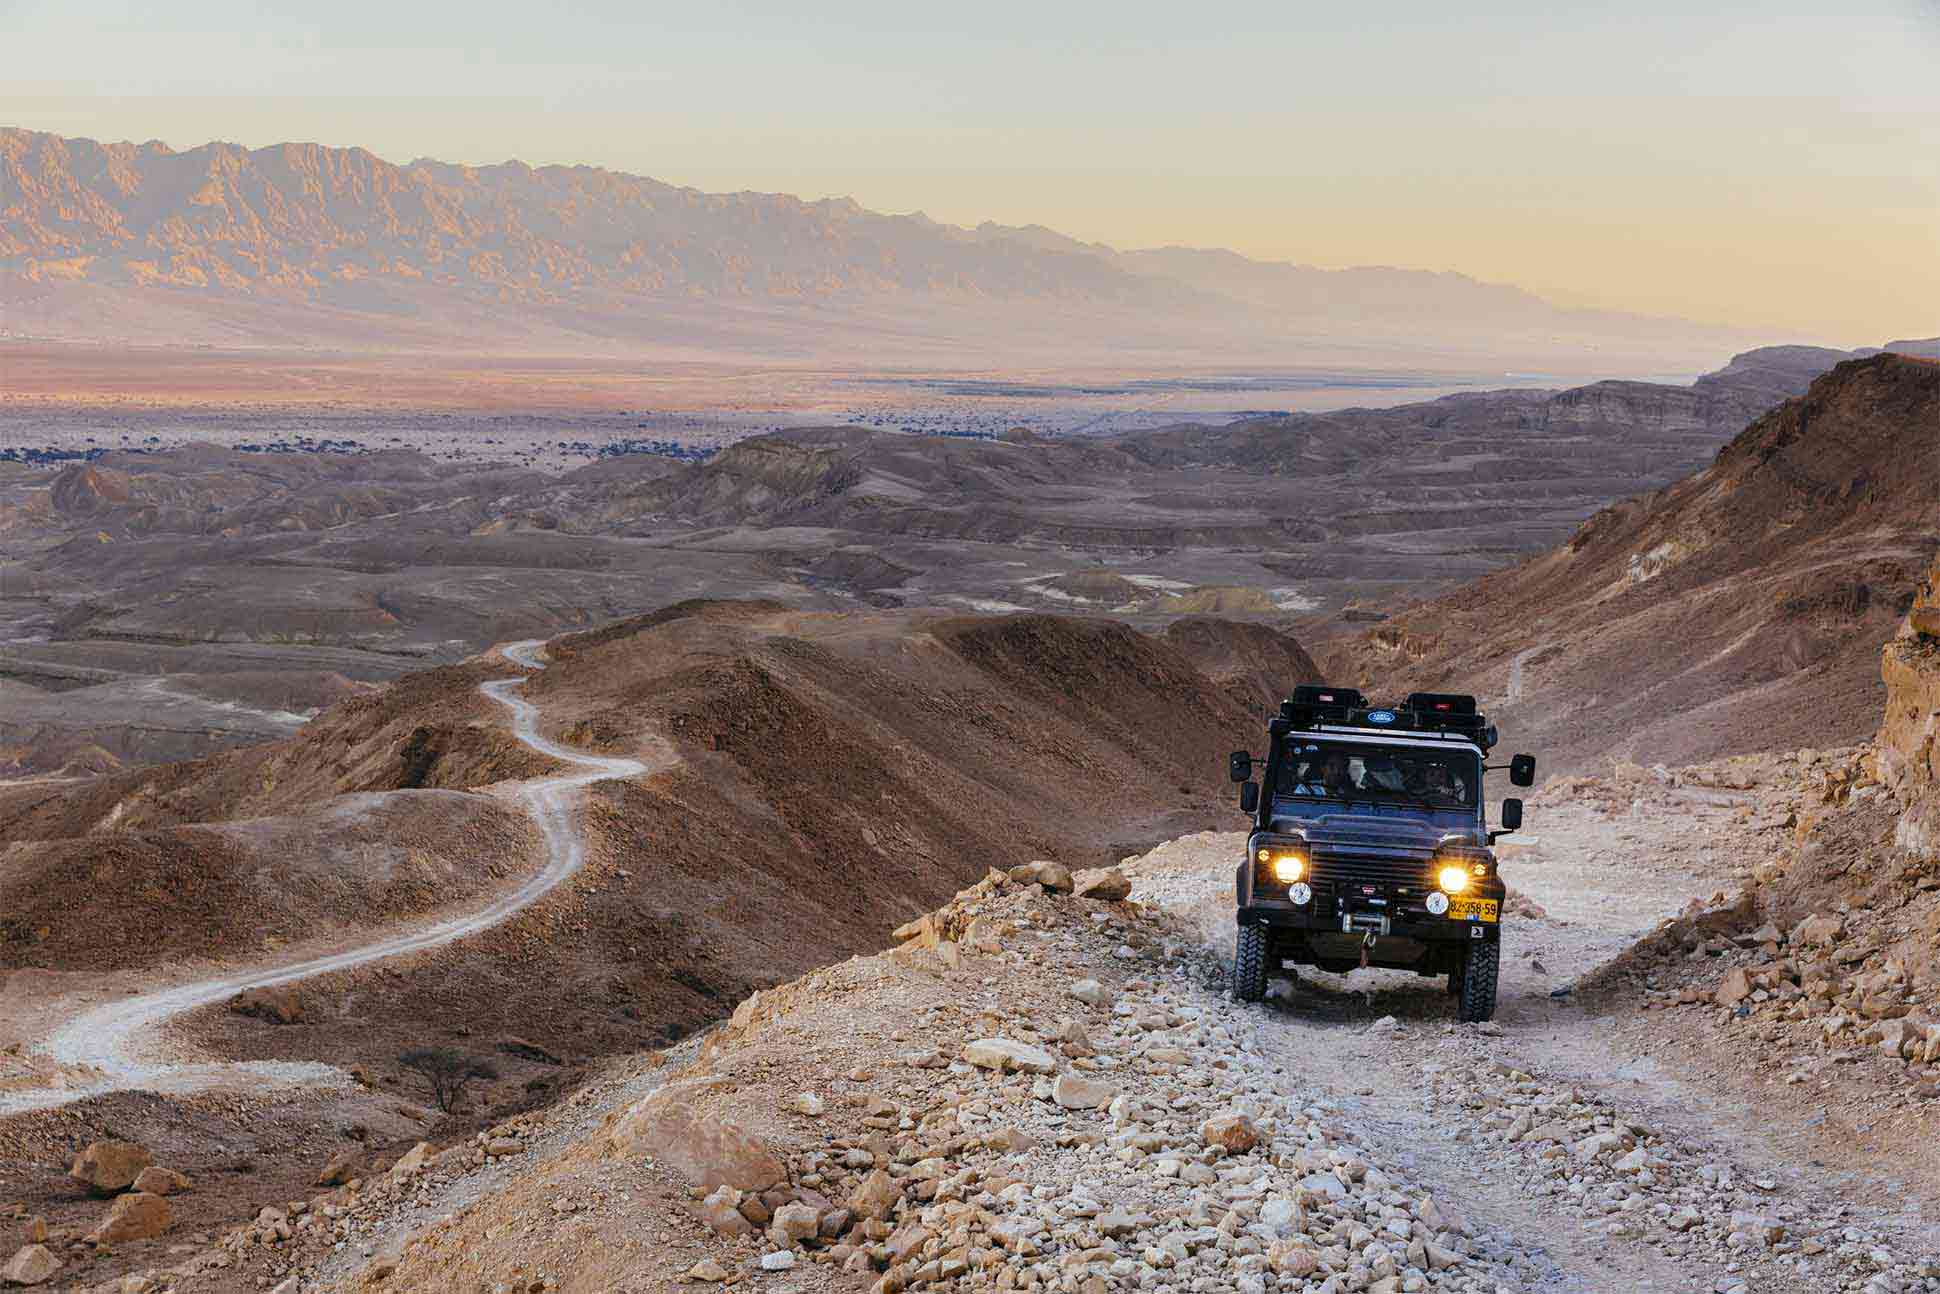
<point x="584" y="248"/>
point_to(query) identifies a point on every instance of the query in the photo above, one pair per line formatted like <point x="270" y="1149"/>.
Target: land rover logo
<point x="1380" y="716"/>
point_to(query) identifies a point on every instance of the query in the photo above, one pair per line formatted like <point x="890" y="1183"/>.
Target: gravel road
<point x="117" y="1043"/>
<point x="1421" y="1091"/>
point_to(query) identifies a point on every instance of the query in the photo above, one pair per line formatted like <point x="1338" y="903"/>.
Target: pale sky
<point x="1767" y="163"/>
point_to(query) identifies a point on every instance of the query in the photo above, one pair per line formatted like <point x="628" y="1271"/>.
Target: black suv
<point x="1370" y="846"/>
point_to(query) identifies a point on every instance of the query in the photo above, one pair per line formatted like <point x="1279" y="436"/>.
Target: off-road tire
<point x="1478" y="983"/>
<point x="1249" y="964"/>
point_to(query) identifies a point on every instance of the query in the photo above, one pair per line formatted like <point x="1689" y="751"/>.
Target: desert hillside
<point x="162" y="603"/>
<point x="823" y="778"/>
<point x="1741" y="608"/>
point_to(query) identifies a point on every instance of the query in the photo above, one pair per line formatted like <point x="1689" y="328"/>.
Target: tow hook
<point x="1367" y="946"/>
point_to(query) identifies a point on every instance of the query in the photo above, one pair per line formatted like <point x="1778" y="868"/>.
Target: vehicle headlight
<point x="1300" y="894"/>
<point x="1437" y="903"/>
<point x="1453" y="879"/>
<point x="1288" y="868"/>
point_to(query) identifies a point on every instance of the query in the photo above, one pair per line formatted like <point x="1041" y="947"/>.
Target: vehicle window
<point x="1397" y="774"/>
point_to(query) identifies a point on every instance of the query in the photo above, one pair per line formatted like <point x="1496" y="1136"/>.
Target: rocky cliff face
<point x="1909" y="733"/>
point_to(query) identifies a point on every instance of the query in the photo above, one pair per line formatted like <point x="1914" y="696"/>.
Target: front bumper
<point x="1423" y="927"/>
<point x="1384" y="897"/>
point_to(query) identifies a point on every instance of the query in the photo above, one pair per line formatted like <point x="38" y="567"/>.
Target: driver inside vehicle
<point x="1379" y="772"/>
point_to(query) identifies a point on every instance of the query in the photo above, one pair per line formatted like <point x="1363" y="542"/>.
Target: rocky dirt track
<point x="1042" y="1090"/>
<point x="106" y="1049"/>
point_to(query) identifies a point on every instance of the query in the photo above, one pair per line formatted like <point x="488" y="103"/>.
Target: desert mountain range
<point x="298" y="244"/>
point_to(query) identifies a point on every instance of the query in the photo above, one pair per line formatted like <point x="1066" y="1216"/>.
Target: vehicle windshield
<point x="1441" y="779"/>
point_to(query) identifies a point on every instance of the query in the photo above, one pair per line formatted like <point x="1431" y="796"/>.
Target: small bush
<point x="447" y="1072"/>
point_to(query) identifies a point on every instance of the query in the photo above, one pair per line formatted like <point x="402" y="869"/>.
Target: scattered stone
<point x="810" y="1104"/>
<point x="135" y="1216"/>
<point x="875" y="1196"/>
<point x="30" y="1265"/>
<point x="721" y="1210"/>
<point x="1090" y="992"/>
<point x="1004" y="1054"/>
<point x="1074" y="1093"/>
<point x="793" y="1224"/>
<point x="779" y="1261"/>
<point x="1234" y="1132"/>
<point x="1735" y="989"/>
<point x="1819" y="931"/>
<point x="706" y="1270"/>
<point x="156" y="1180"/>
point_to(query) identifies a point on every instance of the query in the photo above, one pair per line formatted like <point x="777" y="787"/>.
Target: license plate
<point x="1473" y="909"/>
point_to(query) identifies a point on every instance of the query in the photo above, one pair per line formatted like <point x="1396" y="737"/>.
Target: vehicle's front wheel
<point x="1478" y="983"/>
<point x="1249" y="964"/>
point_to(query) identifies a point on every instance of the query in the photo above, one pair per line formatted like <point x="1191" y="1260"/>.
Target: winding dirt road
<point x="117" y="1041"/>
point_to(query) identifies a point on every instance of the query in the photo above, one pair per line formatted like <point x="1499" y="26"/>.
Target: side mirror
<point x="1249" y="797"/>
<point x="1239" y="766"/>
<point x="1512" y="815"/>
<point x="1522" y="770"/>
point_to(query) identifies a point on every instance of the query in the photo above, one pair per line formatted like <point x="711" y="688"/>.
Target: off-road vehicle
<point x="1370" y="844"/>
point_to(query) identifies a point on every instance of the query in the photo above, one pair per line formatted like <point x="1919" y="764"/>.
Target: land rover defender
<point x="1370" y="843"/>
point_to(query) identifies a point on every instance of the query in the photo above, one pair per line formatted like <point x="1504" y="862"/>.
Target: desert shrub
<point x="447" y="1072"/>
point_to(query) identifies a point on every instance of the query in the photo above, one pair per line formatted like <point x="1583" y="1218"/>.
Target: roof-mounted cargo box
<point x="1440" y="703"/>
<point x="1313" y="703"/>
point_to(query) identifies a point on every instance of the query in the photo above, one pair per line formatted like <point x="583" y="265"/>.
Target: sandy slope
<point x="115" y="1041"/>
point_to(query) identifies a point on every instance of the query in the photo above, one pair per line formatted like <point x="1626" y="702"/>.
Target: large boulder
<point x="1007" y="1053"/>
<point x="1052" y="876"/>
<point x="709" y="1150"/>
<point x="341" y="1168"/>
<point x="411" y="1162"/>
<point x="1106" y="884"/>
<point x="135" y="1216"/>
<point x="110" y="1166"/>
<point x="30" y="1265"/>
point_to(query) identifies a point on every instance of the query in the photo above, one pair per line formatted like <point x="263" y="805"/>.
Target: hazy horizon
<point x="1759" y="168"/>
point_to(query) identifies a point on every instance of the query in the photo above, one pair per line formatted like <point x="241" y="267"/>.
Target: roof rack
<point x="1447" y="714"/>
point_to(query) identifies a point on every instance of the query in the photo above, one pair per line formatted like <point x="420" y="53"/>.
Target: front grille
<point x="1338" y="865"/>
<point x="1360" y="882"/>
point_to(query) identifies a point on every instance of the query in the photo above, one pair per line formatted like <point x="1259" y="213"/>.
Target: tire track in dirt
<point x="113" y="1040"/>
